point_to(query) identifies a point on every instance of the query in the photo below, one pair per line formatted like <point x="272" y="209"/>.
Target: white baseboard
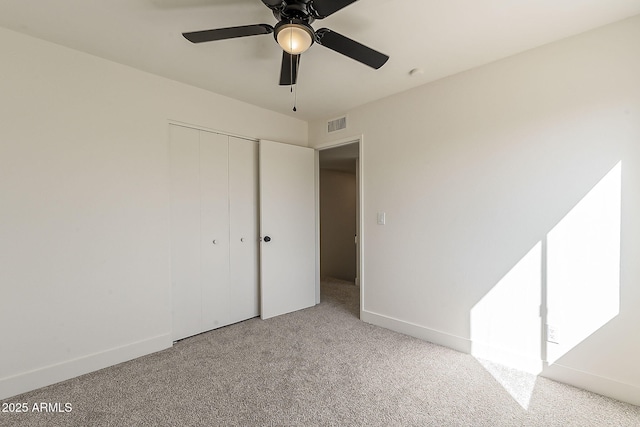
<point x="584" y="380"/>
<point x="597" y="384"/>
<point x="22" y="383"/>
<point x="417" y="331"/>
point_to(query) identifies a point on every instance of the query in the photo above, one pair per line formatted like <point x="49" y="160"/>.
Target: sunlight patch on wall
<point x="573" y="275"/>
<point x="505" y="326"/>
<point x="583" y="267"/>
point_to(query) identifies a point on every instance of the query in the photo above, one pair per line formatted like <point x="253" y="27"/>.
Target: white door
<point x="287" y="227"/>
<point x="243" y="221"/>
<point x="199" y="231"/>
<point x="185" y="231"/>
<point x="214" y="230"/>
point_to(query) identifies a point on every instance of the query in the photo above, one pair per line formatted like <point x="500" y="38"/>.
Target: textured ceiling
<point x="440" y="37"/>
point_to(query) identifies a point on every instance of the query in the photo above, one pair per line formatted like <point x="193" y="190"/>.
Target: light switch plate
<point x="382" y="218"/>
<point x="553" y="334"/>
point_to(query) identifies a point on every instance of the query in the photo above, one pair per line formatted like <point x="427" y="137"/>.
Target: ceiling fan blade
<point x="227" y="33"/>
<point x="289" y="69"/>
<point x="324" y="8"/>
<point x="351" y="48"/>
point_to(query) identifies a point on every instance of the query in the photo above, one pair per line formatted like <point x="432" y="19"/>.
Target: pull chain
<point x="293" y="58"/>
<point x="294" y="89"/>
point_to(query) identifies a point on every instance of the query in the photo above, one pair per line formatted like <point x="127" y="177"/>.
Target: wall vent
<point x="337" y="124"/>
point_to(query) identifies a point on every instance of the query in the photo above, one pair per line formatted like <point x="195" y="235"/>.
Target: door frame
<point x="359" y="139"/>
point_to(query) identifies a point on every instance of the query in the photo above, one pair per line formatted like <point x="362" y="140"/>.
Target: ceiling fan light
<point x="294" y="38"/>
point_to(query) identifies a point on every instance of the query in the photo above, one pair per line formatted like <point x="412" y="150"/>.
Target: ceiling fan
<point x="294" y="34"/>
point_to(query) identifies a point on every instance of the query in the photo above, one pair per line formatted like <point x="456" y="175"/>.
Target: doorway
<point x="339" y="214"/>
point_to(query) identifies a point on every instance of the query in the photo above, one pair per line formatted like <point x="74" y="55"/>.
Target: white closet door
<point x="199" y="231"/>
<point x="288" y="219"/>
<point x="185" y="230"/>
<point x="214" y="229"/>
<point x="243" y="208"/>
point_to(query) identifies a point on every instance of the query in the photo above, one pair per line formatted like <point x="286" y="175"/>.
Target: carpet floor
<point x="316" y="367"/>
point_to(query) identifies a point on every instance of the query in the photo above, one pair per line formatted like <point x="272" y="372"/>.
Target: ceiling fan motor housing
<point x="296" y="9"/>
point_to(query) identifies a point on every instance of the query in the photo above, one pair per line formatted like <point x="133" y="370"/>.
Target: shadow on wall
<point x="562" y="291"/>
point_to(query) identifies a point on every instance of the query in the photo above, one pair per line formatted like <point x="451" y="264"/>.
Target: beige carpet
<point x="316" y="367"/>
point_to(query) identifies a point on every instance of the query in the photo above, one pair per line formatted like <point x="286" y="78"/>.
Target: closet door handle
<point x="215" y="242"/>
<point x="242" y="239"/>
<point x="267" y="239"/>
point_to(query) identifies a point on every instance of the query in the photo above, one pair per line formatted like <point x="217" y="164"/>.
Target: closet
<point x="214" y="230"/>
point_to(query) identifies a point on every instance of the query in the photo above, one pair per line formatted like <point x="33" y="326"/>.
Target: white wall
<point x="337" y="224"/>
<point x="475" y="170"/>
<point x="84" y="206"/>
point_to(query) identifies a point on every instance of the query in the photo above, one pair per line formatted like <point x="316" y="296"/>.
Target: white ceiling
<point x="442" y="37"/>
